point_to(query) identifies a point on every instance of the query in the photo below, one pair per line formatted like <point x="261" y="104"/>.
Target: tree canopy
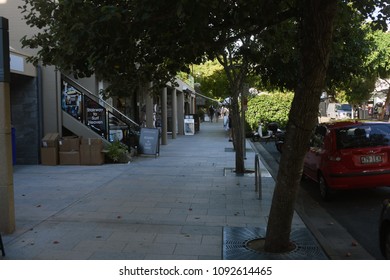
<point x="153" y="40"/>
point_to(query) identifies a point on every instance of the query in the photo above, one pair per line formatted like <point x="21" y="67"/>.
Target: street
<point x="357" y="210"/>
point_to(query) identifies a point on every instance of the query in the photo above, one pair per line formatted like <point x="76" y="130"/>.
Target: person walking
<point x="225" y="113"/>
<point x="211" y="112"/>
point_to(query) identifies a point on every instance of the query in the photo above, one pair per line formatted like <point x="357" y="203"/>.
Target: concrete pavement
<point x="171" y="207"/>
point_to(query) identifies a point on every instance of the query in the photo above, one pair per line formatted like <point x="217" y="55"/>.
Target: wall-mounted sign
<point x="72" y="101"/>
<point x="95" y="116"/>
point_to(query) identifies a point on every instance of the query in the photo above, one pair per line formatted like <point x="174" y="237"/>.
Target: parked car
<point x="384" y="229"/>
<point x="348" y="155"/>
<point x="339" y="111"/>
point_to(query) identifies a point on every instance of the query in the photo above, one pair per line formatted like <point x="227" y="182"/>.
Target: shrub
<point x="272" y="107"/>
<point x="118" y="152"/>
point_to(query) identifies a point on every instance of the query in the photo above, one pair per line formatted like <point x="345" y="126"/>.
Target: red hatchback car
<point x="348" y="155"/>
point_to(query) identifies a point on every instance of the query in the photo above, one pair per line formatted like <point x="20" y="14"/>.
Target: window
<point x="367" y="135"/>
<point x="317" y="139"/>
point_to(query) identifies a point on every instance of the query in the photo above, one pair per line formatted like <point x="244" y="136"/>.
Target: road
<point x="356" y="211"/>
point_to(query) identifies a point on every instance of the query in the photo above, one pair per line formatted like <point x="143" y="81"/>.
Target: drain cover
<point x="235" y="240"/>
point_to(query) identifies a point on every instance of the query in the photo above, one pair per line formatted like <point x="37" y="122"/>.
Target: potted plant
<point x="118" y="152"/>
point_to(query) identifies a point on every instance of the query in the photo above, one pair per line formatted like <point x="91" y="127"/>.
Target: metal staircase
<point x="87" y="115"/>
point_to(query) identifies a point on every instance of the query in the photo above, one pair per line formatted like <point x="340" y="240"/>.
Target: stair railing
<point x="97" y="114"/>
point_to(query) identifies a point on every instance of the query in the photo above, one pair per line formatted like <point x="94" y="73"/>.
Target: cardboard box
<point x="49" y="149"/>
<point x="70" y="158"/>
<point x="92" y="141"/>
<point x="49" y="155"/>
<point x="91" y="151"/>
<point x="50" y="140"/>
<point x="91" y="155"/>
<point x="69" y="144"/>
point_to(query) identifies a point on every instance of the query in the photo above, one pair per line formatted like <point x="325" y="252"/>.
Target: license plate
<point x="371" y="159"/>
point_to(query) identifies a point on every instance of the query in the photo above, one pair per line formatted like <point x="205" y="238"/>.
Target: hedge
<point x="271" y="107"/>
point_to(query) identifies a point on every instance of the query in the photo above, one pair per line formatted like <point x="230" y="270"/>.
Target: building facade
<point x="37" y="98"/>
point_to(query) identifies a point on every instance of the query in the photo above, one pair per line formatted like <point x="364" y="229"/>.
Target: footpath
<point x="174" y="206"/>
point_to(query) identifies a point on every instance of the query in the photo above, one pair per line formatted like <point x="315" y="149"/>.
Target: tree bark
<point x="238" y="138"/>
<point x="387" y="102"/>
<point x="316" y="27"/>
<point x="236" y="75"/>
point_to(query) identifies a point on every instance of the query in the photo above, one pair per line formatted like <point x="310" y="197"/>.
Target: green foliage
<point x="212" y="79"/>
<point x="380" y="57"/>
<point x="128" y="43"/>
<point x="273" y="107"/>
<point x="117" y="152"/>
<point x="348" y="71"/>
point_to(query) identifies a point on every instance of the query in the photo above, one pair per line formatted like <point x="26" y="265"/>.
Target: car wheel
<point x="279" y="147"/>
<point x="324" y="189"/>
<point x="386" y="243"/>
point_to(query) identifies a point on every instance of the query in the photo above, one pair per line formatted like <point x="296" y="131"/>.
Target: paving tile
<point x="150" y="248"/>
<point x="200" y="250"/>
<point x="178" y="238"/>
<point x="100" y="245"/>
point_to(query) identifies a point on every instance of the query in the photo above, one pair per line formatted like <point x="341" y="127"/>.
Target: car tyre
<point x="325" y="192"/>
<point x="279" y="147"/>
<point x="386" y="243"/>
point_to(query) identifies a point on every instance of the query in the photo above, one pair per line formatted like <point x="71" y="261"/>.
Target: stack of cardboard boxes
<point x="49" y="149"/>
<point x="91" y="151"/>
<point x="71" y="150"/>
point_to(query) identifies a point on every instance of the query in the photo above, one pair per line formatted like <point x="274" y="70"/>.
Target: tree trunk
<point x="384" y="109"/>
<point x="316" y="28"/>
<point x="238" y="138"/>
<point x="236" y="75"/>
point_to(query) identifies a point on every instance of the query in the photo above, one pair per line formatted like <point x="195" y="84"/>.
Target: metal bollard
<point x="258" y="187"/>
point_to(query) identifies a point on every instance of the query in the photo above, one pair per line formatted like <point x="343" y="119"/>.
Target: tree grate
<point x="236" y="239"/>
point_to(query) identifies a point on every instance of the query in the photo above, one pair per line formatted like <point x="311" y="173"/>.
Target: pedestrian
<point x="218" y="114"/>
<point x="211" y="112"/>
<point x="226" y="119"/>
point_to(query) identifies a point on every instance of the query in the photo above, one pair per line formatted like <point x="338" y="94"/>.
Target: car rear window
<point x="367" y="135"/>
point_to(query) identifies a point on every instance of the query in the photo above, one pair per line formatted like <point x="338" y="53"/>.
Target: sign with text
<point x="149" y="143"/>
<point x="189" y="125"/>
<point x="95" y="116"/>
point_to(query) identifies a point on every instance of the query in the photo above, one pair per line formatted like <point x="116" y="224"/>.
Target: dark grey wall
<point x="25" y="118"/>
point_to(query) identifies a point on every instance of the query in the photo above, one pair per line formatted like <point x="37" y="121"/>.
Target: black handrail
<point x="97" y="114"/>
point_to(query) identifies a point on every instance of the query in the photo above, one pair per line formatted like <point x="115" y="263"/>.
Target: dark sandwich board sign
<point x="149" y="143"/>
